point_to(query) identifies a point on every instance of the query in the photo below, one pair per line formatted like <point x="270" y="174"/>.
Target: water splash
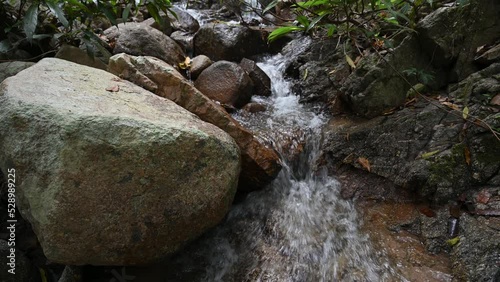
<point x="298" y="228"/>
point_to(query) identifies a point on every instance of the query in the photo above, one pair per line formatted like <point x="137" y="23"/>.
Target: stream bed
<point x="296" y="229"/>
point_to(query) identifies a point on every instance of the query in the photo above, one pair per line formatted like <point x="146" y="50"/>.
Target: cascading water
<point x="298" y="228"/>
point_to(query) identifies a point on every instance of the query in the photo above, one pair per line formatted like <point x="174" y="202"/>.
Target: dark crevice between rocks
<point x="30" y="260"/>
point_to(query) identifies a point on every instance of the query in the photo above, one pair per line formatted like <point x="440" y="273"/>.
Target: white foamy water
<point x="296" y="229"/>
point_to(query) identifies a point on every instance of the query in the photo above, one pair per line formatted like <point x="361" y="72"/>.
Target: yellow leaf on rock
<point x="429" y="154"/>
<point x="186" y="64"/>
<point x="365" y="163"/>
<point x="465" y="112"/>
<point x="350" y="61"/>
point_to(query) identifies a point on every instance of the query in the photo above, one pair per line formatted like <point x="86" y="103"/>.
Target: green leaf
<point x="331" y="29"/>
<point x="153" y="10"/>
<point x="79" y="5"/>
<point x="303" y="20"/>
<point x="43" y="276"/>
<point x="96" y="42"/>
<point x="5" y="46"/>
<point x="270" y="6"/>
<point x="282" y="31"/>
<point x="312" y="3"/>
<point x="453" y="241"/>
<point x="315" y="21"/>
<point x="108" y="13"/>
<point x="88" y="46"/>
<point x="173" y="13"/>
<point x="30" y="21"/>
<point x="126" y="12"/>
<point x="58" y="12"/>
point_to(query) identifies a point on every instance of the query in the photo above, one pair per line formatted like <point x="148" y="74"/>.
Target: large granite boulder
<point x="142" y="40"/>
<point x="109" y="173"/>
<point x="227" y="83"/>
<point x="260" y="165"/>
<point x="77" y="55"/>
<point x="229" y="42"/>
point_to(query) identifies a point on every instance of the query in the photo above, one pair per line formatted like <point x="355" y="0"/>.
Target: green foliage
<point x="68" y="21"/>
<point x="420" y="75"/>
<point x="347" y="17"/>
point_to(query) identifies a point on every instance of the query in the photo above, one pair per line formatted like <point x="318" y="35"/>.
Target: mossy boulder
<point x="107" y="172"/>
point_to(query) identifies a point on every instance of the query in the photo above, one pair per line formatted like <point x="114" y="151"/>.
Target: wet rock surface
<point x="261" y="81"/>
<point x="427" y="149"/>
<point x="389" y="225"/>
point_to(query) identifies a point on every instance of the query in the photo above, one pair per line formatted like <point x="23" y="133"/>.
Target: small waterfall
<point x="298" y="228"/>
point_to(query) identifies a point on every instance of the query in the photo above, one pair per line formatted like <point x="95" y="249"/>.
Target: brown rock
<point x="198" y="64"/>
<point x="229" y="42"/>
<point x="77" y="55"/>
<point x="139" y="39"/>
<point x="261" y="81"/>
<point x="184" y="21"/>
<point x="8" y="69"/>
<point x="227" y="83"/>
<point x="260" y="165"/>
<point x="165" y="28"/>
<point x="184" y="39"/>
<point x="254" y="108"/>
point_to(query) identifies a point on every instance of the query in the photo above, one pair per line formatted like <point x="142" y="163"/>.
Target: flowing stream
<point x="296" y="229"/>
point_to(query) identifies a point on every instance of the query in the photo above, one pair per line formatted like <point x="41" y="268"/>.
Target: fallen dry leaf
<point x="451" y="105"/>
<point x="350" y="61"/>
<point x="429" y="154"/>
<point x="365" y="163"/>
<point x="427" y="211"/>
<point x="483" y="197"/>
<point x="113" y="88"/>
<point x="389" y="112"/>
<point x="455" y="210"/>
<point x="411" y="101"/>
<point x="496" y="100"/>
<point x="465" y="112"/>
<point x="467" y="155"/>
